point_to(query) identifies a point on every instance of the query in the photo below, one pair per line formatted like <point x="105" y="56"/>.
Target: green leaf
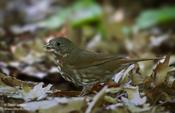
<point x="85" y="12"/>
<point x="151" y="18"/>
<point x="56" y="20"/>
<point x="79" y="13"/>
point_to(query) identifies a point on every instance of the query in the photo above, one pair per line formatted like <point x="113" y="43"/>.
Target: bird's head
<point x="61" y="47"/>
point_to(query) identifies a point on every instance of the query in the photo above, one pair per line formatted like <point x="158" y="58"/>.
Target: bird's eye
<point x="58" y="44"/>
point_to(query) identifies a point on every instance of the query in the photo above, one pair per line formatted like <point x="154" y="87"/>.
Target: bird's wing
<point x="87" y="59"/>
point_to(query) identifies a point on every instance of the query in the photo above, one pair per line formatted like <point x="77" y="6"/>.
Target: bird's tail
<point x="128" y="60"/>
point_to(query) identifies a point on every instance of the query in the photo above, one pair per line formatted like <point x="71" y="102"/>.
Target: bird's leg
<point x="86" y="89"/>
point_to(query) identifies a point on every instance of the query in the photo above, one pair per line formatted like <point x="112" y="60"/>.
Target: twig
<point x="96" y="99"/>
<point x="11" y="81"/>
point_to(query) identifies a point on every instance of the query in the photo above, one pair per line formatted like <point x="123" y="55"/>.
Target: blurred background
<point x="137" y="28"/>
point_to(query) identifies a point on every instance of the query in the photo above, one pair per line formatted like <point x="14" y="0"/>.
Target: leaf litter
<point x="130" y="95"/>
<point x="24" y="65"/>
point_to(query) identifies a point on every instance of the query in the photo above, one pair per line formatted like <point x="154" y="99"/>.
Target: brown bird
<point x="86" y="68"/>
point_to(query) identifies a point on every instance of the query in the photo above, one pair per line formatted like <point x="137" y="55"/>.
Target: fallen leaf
<point x="134" y="96"/>
<point x="38" y="92"/>
<point x="160" y="72"/>
<point x="56" y="105"/>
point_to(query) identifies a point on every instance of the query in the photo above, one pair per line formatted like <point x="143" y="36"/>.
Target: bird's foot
<point x="86" y="89"/>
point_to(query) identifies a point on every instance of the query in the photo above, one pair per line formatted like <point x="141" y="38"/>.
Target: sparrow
<point x="86" y="68"/>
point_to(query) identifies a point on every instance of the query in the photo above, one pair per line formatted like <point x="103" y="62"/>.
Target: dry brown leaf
<point x="11" y="81"/>
<point x="160" y="72"/>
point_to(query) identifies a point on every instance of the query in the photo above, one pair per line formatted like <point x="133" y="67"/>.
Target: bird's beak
<point x="49" y="47"/>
